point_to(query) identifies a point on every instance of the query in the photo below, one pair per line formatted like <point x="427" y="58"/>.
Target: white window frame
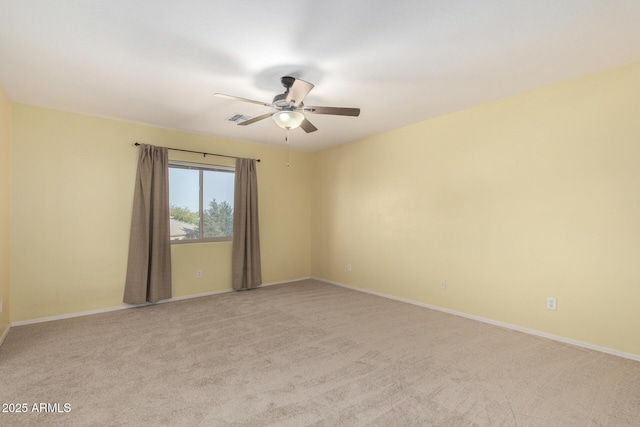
<point x="201" y="167"/>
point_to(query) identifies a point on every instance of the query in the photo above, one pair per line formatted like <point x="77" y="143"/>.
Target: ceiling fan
<point x="290" y="106"/>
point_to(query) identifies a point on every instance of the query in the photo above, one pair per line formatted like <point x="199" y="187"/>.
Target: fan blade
<point x="237" y="98"/>
<point x="255" y="119"/>
<point x="307" y="126"/>
<point x="336" y="111"/>
<point x="298" y="91"/>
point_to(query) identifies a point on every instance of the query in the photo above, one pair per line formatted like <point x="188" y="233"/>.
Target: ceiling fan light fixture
<point x="287" y="119"/>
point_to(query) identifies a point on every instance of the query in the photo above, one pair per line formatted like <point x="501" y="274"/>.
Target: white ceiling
<point x="160" y="62"/>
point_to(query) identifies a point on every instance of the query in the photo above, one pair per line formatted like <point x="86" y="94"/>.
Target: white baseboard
<point x="285" y="281"/>
<point x="70" y="315"/>
<point x="577" y="343"/>
<point x="127" y="306"/>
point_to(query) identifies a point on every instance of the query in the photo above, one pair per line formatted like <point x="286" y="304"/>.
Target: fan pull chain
<point x="286" y="138"/>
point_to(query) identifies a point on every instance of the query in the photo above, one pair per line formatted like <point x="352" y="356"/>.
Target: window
<point x="201" y="202"/>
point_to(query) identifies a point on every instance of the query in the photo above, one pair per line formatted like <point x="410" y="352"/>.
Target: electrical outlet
<point x="443" y="284"/>
<point x="199" y="274"/>
<point x="551" y="303"/>
<point x="348" y="267"/>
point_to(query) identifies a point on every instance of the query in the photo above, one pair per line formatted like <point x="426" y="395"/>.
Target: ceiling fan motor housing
<point x="280" y="101"/>
<point x="287" y="81"/>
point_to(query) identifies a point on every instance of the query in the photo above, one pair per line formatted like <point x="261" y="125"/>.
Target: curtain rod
<point x="201" y="152"/>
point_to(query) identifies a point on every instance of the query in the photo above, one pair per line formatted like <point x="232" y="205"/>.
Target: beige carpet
<point x="306" y="353"/>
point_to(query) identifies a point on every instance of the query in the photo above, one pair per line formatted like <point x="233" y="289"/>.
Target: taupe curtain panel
<point x="246" y="270"/>
<point x="149" y="266"/>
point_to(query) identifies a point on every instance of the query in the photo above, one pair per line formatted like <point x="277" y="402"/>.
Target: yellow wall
<point x="5" y="208"/>
<point x="512" y="202"/>
<point x="73" y="179"/>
